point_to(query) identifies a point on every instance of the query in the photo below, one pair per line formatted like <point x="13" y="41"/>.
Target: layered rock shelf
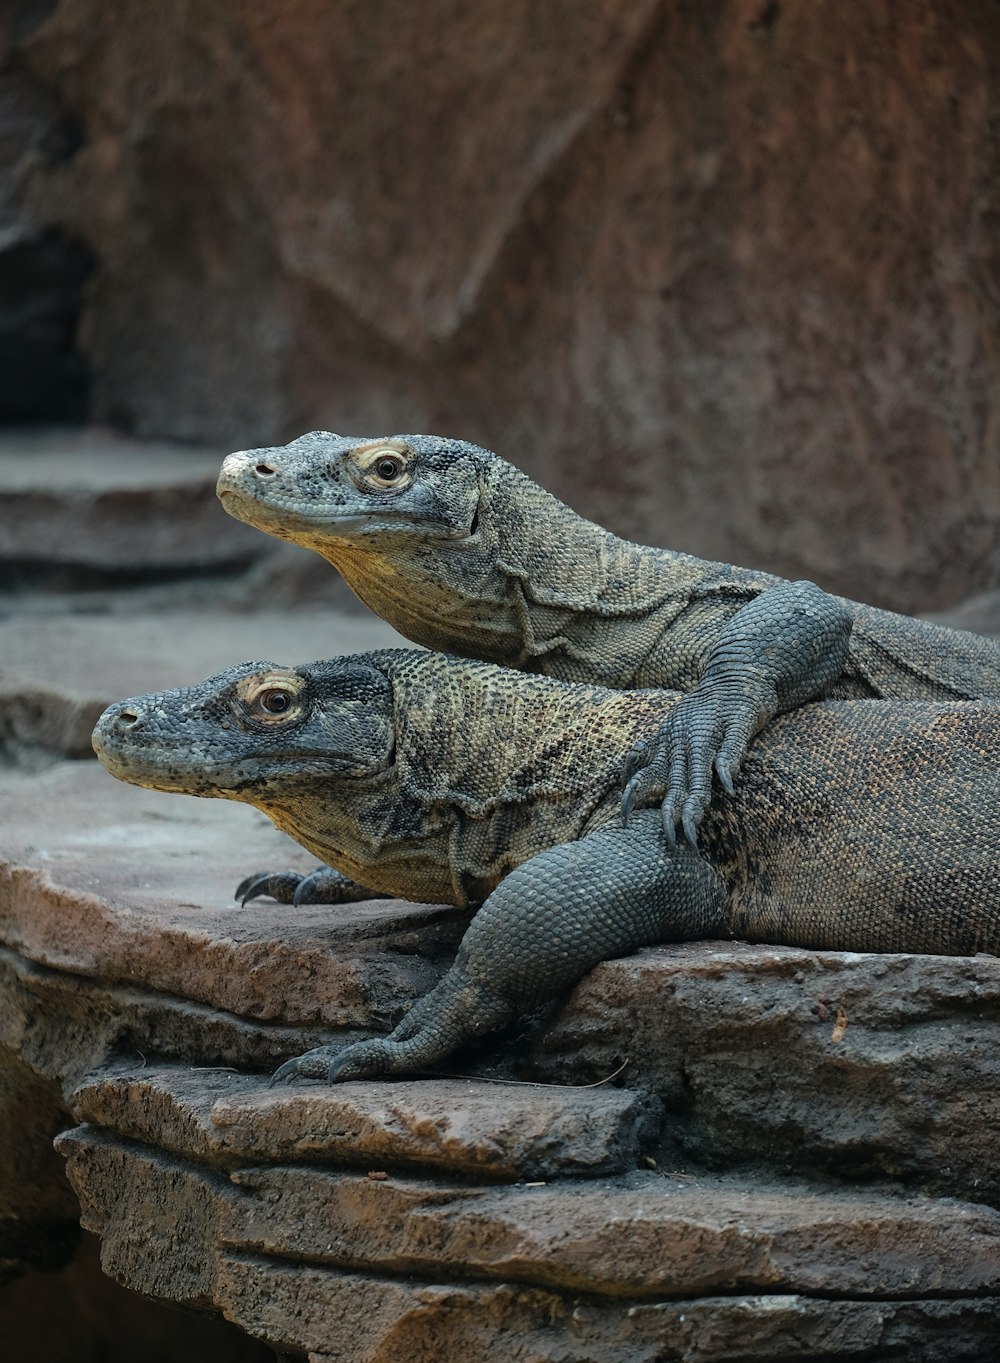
<point x="705" y="1153"/>
<point x="796" y="1159"/>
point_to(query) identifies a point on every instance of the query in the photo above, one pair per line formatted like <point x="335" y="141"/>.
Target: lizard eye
<point x="388" y="467"/>
<point x="275" y="700"/>
<point x="270" y="697"/>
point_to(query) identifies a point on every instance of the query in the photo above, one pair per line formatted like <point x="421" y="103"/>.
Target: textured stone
<point x="392" y="1242"/>
<point x="42" y="269"/>
<point x="457" y="1323"/>
<point x="465" y="1127"/>
<point x="209" y="1241"/>
<point x="726" y="277"/>
<point x="95" y="503"/>
<point x="863" y="1065"/>
<point x="136" y="887"/>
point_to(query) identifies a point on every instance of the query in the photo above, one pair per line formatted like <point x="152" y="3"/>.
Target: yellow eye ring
<point x="270" y="697"/>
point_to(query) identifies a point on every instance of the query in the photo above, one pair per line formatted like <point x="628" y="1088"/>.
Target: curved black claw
<point x="360" y="1060"/>
<point x="279" y="885"/>
<point x="325" y="885"/>
<point x="314" y="1064"/>
<point x="701" y="734"/>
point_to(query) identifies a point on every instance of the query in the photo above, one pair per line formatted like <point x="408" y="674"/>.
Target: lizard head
<point x="324" y="487"/>
<point x="247" y="730"/>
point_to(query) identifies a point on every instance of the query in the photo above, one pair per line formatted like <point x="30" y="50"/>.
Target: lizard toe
<point x="277" y="885"/>
<point x="361" y="1061"/>
<point x="322" y="886"/>
<point x="314" y="1064"/>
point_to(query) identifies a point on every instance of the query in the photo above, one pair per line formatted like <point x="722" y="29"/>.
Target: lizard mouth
<point x="178" y="774"/>
<point x="298" y="518"/>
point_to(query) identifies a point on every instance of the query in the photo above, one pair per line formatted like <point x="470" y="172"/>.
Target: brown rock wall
<point x="725" y="277"/>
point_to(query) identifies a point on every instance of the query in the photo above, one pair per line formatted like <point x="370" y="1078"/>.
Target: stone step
<point x="98" y="503"/>
<point x="461" y="1127"/>
<point x="865" y="1065"/>
<point x="639" y="1251"/>
<point x="134" y="888"/>
<point x="94" y="521"/>
<point x="638" y="1234"/>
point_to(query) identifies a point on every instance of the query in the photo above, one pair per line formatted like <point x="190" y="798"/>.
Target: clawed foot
<point x="362" y="1060"/>
<point x="322" y="886"/>
<point x="676" y="764"/>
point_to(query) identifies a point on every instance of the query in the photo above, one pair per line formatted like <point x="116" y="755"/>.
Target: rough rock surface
<point x="579" y="1223"/>
<point x="795" y="1163"/>
<point x="43" y="268"/>
<point x="725" y="275"/>
<point x="862" y="1065"/>
<point x="93" y="503"/>
<point x="47" y="712"/>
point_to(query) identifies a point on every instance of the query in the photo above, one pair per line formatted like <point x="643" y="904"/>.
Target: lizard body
<point x="461" y="552"/>
<point x="851" y="826"/>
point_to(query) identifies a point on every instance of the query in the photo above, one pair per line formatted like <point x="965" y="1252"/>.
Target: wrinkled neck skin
<point x="523" y="589"/>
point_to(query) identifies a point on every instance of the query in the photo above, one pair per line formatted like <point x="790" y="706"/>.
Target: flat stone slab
<point x="135" y="887"/>
<point x="862" y="1064"/>
<point x="623" y="1260"/>
<point x="636" y="1235"/>
<point x="58" y="672"/>
<point x="467" y="1127"/>
<point x="90" y="499"/>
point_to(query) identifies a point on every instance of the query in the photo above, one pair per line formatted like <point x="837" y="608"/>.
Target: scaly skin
<point x="461" y="552"/>
<point x="851" y="827"/>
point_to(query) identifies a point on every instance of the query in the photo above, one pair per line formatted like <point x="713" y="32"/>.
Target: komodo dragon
<point x="461" y="552"/>
<point x="851" y="826"/>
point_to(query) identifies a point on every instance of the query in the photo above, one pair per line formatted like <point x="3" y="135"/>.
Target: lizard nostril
<point x="265" y="470"/>
<point x="127" y="718"/>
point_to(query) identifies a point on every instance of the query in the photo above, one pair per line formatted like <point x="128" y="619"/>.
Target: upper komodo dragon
<point x="852" y="826"/>
<point x="461" y="552"/>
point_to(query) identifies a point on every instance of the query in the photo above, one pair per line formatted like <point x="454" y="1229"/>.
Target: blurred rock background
<point x="726" y="277"/>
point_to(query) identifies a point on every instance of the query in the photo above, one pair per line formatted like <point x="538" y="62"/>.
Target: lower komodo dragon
<point x="461" y="552"/>
<point x="851" y="826"/>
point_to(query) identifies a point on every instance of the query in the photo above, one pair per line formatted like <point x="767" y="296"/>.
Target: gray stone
<point x="175" y="1232"/>
<point x="863" y="1065"/>
<point x="725" y="276"/>
<point x="135" y="887"/>
<point x="94" y="502"/>
<point x="465" y="1127"/>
